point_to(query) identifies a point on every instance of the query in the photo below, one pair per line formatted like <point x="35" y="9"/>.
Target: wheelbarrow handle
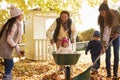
<point x="101" y="53"/>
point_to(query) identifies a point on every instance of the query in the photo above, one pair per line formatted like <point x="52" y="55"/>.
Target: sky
<point x="88" y="16"/>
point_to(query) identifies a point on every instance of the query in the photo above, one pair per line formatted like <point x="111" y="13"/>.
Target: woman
<point x="9" y="37"/>
<point x="109" y="22"/>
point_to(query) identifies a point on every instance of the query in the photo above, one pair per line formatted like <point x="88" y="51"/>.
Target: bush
<point x="86" y="35"/>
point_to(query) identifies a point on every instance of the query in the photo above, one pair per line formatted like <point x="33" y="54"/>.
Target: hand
<point x="51" y="41"/>
<point x="22" y="52"/>
<point x="115" y="35"/>
<point x="72" y="40"/>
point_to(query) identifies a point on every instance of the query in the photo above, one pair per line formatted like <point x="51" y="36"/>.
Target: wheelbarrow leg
<point x="67" y="73"/>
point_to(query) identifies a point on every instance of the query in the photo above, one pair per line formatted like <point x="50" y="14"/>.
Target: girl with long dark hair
<point x="9" y="36"/>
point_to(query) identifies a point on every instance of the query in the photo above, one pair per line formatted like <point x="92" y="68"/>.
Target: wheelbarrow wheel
<point x="67" y="72"/>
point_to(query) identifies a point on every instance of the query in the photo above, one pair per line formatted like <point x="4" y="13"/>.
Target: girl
<point x="64" y="49"/>
<point x="9" y="37"/>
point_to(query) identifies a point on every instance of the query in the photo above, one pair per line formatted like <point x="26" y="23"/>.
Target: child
<point x="95" y="48"/>
<point x="10" y="36"/>
<point x="64" y="49"/>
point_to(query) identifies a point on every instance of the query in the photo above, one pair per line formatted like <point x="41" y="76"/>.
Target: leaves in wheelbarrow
<point x="84" y="75"/>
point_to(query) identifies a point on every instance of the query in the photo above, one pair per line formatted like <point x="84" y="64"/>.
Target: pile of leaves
<point x="42" y="70"/>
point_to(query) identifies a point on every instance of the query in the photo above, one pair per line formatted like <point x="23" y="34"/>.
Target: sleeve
<point x="50" y="30"/>
<point x="118" y="26"/>
<point x="74" y="31"/>
<point x="118" y="14"/>
<point x="101" y="36"/>
<point x="10" y="37"/>
<point x="10" y="40"/>
<point x="88" y="47"/>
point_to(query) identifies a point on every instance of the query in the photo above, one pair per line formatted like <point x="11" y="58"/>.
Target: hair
<point x="9" y="23"/>
<point x="66" y="12"/>
<point x="109" y="17"/>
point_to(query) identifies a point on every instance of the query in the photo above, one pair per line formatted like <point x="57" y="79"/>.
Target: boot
<point x="7" y="77"/>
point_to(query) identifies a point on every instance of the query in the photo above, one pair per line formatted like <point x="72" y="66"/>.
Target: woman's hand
<point x="115" y="35"/>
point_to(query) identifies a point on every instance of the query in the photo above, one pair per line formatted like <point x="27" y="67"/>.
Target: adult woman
<point x="109" y="21"/>
<point x="9" y="37"/>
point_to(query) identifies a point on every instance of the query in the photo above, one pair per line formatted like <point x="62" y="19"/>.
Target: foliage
<point x="3" y="15"/>
<point x="42" y="5"/>
<point x="86" y="35"/>
<point x="46" y="6"/>
<point x="94" y="2"/>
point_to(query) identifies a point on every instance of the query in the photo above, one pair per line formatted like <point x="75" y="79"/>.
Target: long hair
<point x="109" y="16"/>
<point x="109" y="19"/>
<point x="8" y="24"/>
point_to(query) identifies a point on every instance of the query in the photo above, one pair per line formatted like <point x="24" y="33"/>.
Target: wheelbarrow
<point x="66" y="59"/>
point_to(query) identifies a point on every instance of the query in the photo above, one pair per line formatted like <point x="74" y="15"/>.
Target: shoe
<point x="108" y="78"/>
<point x="61" y="68"/>
<point x="94" y="71"/>
<point x="7" y="77"/>
<point x="116" y="78"/>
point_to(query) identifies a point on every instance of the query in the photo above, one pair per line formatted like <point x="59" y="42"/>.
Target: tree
<point x="72" y="6"/>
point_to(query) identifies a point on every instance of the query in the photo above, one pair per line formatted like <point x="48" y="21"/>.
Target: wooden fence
<point x="43" y="49"/>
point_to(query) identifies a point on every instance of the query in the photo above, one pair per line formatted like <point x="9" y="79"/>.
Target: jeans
<point x="116" y="58"/>
<point x="8" y="63"/>
<point x="97" y="65"/>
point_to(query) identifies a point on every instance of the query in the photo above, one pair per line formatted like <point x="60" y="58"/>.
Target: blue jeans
<point x="97" y="65"/>
<point x="8" y="63"/>
<point x="116" y="58"/>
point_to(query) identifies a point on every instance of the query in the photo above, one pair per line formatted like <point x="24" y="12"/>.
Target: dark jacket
<point x="94" y="47"/>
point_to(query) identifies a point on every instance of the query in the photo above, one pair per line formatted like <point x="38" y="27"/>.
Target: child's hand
<point x="72" y="40"/>
<point x="86" y="53"/>
<point x="22" y="53"/>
